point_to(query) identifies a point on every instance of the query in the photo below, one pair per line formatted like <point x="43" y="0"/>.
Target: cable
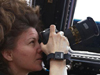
<point x="44" y="68"/>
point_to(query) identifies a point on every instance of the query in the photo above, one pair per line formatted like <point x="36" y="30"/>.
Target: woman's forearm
<point x="58" y="67"/>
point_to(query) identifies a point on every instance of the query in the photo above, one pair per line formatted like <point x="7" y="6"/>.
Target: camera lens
<point x="81" y="31"/>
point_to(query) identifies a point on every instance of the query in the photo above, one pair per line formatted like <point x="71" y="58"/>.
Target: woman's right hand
<point x="57" y="42"/>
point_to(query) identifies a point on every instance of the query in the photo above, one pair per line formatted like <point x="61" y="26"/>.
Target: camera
<point x="82" y="30"/>
<point x="77" y="33"/>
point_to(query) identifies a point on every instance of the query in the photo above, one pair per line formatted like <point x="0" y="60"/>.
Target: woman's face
<point x="28" y="55"/>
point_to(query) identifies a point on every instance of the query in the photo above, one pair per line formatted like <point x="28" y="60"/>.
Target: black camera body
<point x="79" y="32"/>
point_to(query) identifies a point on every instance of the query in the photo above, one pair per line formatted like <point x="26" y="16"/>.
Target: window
<point x="85" y="8"/>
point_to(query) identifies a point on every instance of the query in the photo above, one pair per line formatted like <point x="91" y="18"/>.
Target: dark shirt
<point x="2" y="73"/>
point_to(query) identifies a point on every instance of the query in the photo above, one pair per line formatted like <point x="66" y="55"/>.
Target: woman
<point x="20" y="52"/>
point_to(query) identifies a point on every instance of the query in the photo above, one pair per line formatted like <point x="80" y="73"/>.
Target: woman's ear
<point x="7" y="54"/>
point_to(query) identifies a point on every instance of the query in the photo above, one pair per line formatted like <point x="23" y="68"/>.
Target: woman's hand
<point x="57" y="42"/>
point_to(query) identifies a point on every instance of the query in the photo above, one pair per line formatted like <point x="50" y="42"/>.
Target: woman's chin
<point x="38" y="68"/>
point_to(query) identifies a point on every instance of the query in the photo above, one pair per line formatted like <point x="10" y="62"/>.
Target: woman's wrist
<point x="57" y="63"/>
<point x="58" y="67"/>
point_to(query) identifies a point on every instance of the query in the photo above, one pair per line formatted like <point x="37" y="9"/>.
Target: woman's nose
<point x="39" y="48"/>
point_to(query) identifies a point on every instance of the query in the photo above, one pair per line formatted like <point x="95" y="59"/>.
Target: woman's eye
<point x="31" y="42"/>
